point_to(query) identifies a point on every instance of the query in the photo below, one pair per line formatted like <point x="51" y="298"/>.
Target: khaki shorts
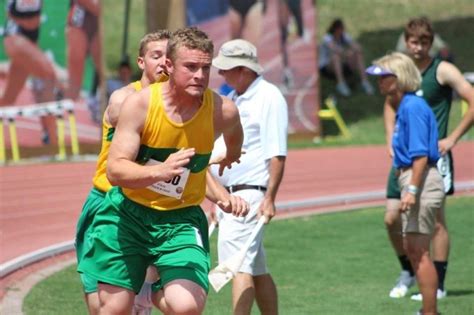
<point x="421" y="217"/>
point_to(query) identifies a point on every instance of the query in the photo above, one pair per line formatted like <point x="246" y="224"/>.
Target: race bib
<point x="444" y="168"/>
<point x="28" y="5"/>
<point x="173" y="187"/>
<point x="78" y="15"/>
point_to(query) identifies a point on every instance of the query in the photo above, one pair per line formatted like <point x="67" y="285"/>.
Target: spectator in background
<point x="264" y="116"/>
<point x="439" y="48"/>
<point x="123" y="78"/>
<point x="339" y="56"/>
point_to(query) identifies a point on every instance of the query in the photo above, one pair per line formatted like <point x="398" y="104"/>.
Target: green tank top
<point x="438" y="97"/>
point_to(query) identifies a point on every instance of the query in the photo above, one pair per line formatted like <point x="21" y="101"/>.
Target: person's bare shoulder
<point x="115" y="103"/>
<point x="449" y="74"/>
<point x="134" y="109"/>
<point x="138" y="99"/>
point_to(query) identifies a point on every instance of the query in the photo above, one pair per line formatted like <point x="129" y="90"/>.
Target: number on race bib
<point x="174" y="181"/>
<point x="173" y="187"/>
<point x="444" y="168"/>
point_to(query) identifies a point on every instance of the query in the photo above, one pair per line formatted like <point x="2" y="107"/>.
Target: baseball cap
<point x="377" y="70"/>
<point x="237" y="53"/>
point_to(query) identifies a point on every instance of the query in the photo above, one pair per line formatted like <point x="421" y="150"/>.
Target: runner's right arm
<point x="115" y="103"/>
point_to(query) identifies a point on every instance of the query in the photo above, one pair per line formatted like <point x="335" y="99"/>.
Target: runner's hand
<point x="235" y="205"/>
<point x="224" y="162"/>
<point x="175" y="162"/>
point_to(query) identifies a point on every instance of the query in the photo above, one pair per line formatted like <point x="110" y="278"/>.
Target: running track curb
<point x="286" y="206"/>
<point x="12" y="302"/>
<point x="40" y="254"/>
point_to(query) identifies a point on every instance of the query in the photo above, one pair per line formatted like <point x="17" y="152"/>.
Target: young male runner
<point x="151" y="60"/>
<point x="158" y="159"/>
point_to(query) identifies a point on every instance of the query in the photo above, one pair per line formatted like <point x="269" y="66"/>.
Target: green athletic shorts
<point x="91" y="206"/>
<point x="393" y="188"/>
<point x="127" y="237"/>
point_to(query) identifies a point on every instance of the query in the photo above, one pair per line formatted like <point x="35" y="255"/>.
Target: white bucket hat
<point x="237" y="53"/>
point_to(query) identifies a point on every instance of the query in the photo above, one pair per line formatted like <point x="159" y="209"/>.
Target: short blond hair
<point x="191" y="38"/>
<point x="152" y="37"/>
<point x="408" y="75"/>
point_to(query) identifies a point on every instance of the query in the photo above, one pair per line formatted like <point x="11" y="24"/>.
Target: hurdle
<point x="10" y="114"/>
<point x="331" y="113"/>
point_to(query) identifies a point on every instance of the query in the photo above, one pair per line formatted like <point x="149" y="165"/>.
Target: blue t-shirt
<point x="416" y="132"/>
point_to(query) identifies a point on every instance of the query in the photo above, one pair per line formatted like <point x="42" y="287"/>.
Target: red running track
<point x="40" y="203"/>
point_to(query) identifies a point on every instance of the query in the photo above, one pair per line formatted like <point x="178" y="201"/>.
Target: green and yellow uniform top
<point x="161" y="137"/>
<point x="100" y="180"/>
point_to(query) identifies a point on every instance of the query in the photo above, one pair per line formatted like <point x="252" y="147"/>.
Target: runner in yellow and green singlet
<point x="151" y="60"/>
<point x="158" y="161"/>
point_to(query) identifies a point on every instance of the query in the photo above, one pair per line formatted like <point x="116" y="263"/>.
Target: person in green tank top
<point x="439" y="80"/>
<point x="126" y="236"/>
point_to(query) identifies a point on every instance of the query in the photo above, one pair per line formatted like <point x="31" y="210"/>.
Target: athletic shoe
<point x="440" y="294"/>
<point x="343" y="89"/>
<point x="420" y="312"/>
<point x="367" y="87"/>
<point x="404" y="282"/>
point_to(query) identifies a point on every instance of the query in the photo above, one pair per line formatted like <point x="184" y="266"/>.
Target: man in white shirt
<point x="264" y="117"/>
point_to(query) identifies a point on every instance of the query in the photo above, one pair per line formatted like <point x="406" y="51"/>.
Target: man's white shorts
<point x="234" y="231"/>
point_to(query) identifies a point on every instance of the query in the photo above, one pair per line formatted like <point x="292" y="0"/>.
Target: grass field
<point x="332" y="264"/>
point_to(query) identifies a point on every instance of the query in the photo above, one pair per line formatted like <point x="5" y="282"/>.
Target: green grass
<point x="333" y="264"/>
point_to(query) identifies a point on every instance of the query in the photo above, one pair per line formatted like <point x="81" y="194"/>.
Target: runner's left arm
<point x="229" y="203"/>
